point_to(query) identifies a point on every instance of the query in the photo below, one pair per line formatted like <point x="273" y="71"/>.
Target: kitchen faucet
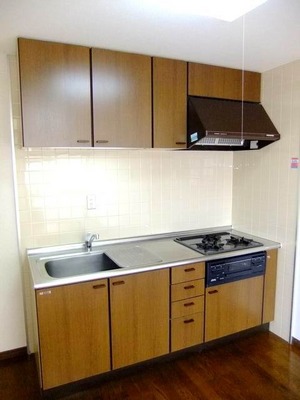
<point x="89" y="239"/>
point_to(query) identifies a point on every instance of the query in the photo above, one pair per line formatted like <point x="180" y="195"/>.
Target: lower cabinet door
<point x="233" y="307"/>
<point x="186" y="331"/>
<point x="73" y="326"/>
<point x="139" y="317"/>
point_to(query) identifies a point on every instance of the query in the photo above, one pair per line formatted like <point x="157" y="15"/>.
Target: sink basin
<point x="79" y="265"/>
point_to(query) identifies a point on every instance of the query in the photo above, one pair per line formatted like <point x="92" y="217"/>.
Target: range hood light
<point x="208" y="141"/>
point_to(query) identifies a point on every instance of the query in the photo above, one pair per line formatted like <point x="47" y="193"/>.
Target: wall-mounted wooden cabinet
<point x="169" y="103"/>
<point x="226" y="83"/>
<point x="121" y="99"/>
<point x="63" y="89"/>
<point x="55" y="94"/>
<point x="73" y="328"/>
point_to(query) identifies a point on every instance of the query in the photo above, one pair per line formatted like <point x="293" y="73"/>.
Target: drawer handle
<point x="189" y="304"/>
<point x="189" y="269"/>
<point x="213" y="291"/>
<point x="83" y="141"/>
<point x="100" y="286"/>
<point x="180" y="142"/>
<point x="189" y="287"/>
<point x="118" y="283"/>
<point x="189" y="321"/>
<point x="101" y="141"/>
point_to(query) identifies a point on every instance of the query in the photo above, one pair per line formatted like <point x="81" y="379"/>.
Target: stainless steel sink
<point x="79" y="265"/>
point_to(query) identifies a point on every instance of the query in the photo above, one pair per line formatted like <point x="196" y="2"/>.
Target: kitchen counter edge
<point x="171" y="253"/>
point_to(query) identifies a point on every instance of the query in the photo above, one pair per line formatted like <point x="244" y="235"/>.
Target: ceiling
<point x="264" y="39"/>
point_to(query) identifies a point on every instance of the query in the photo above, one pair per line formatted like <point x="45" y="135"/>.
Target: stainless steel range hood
<point x="217" y="124"/>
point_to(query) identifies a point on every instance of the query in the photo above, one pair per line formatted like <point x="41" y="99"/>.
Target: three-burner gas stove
<point x="216" y="243"/>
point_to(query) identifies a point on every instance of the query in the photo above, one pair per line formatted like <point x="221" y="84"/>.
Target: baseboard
<point x="15" y="353"/>
<point x="295" y="342"/>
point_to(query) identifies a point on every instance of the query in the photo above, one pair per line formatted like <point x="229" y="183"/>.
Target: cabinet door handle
<point x="213" y="291"/>
<point x="102" y="141"/>
<point x="180" y="142"/>
<point x="189" y="287"/>
<point x="189" y="304"/>
<point x="118" y="283"/>
<point x="99" y="286"/>
<point x="189" y="321"/>
<point x="189" y="269"/>
<point x="83" y="141"/>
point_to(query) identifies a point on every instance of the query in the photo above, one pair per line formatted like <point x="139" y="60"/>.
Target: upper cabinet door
<point x="55" y="94"/>
<point x="121" y="85"/>
<point x="225" y="83"/>
<point x="169" y="103"/>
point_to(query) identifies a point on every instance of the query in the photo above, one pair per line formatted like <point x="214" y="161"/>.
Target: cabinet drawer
<point x="186" y="331"/>
<point x="187" y="272"/>
<point x="186" y="290"/>
<point x="187" y="307"/>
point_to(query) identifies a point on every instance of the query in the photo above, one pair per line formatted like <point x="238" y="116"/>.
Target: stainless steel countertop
<point x="164" y="248"/>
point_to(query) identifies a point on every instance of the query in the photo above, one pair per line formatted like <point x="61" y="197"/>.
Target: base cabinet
<point x="139" y="317"/>
<point x="270" y="286"/>
<point x="73" y="327"/>
<point x="187" y="305"/>
<point x="233" y="307"/>
<point x="86" y="329"/>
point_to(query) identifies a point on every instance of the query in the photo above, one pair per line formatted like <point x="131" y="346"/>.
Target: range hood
<point x="217" y="124"/>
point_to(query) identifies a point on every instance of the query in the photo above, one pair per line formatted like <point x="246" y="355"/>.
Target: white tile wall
<point x="265" y="187"/>
<point x="137" y="192"/>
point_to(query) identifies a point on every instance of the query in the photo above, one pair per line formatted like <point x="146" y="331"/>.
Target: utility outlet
<point x="91" y="201"/>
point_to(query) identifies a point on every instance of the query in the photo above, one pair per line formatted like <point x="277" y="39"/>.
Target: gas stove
<point x="216" y="243"/>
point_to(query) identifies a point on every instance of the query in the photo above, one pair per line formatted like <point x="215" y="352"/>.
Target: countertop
<point x="162" y="250"/>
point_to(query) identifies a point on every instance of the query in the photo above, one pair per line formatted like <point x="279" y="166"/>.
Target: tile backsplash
<point x="138" y="192"/>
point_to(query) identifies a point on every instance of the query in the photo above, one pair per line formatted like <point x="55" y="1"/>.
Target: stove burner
<point x="236" y="241"/>
<point x="211" y="242"/>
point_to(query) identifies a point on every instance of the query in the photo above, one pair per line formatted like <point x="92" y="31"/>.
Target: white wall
<point x="265" y="185"/>
<point x="12" y="329"/>
<point x="296" y="297"/>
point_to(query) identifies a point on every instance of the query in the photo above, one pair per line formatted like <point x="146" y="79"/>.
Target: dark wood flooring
<point x="259" y="366"/>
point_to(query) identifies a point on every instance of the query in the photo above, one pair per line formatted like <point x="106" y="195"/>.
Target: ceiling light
<point x="227" y="10"/>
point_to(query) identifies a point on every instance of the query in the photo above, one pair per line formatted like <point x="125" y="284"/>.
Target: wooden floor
<point x="260" y="366"/>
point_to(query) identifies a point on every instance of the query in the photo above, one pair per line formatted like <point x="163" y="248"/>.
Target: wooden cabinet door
<point x="55" y="94"/>
<point x="73" y="327"/>
<point x="121" y="99"/>
<point x="270" y="286"/>
<point x="169" y="103"/>
<point x="233" y="307"/>
<point x="139" y="317"/>
<point x="226" y="83"/>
